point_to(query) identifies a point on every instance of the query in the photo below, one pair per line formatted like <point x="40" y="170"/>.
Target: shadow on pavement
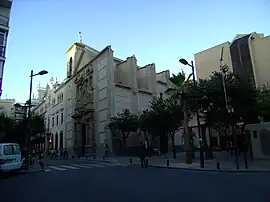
<point x="8" y="175"/>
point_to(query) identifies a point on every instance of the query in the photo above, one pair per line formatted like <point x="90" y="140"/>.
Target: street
<point x="100" y="182"/>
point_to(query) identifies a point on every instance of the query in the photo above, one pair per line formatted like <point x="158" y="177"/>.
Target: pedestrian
<point x="41" y="160"/>
<point x="106" y="148"/>
<point x="143" y="153"/>
<point x="65" y="153"/>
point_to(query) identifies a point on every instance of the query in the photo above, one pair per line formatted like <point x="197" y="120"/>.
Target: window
<point x="57" y="120"/>
<point x="16" y="149"/>
<point x="161" y="95"/>
<point x="53" y="122"/>
<point x="8" y="150"/>
<point x="2" y="43"/>
<point x="1" y="67"/>
<point x="70" y="67"/>
<point x="62" y="118"/>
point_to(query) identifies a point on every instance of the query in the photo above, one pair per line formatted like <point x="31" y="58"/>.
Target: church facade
<point x="97" y="87"/>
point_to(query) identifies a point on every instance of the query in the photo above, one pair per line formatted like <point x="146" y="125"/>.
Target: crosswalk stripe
<point x="82" y="165"/>
<point x="69" y="167"/>
<point x="56" y="168"/>
<point x="108" y="164"/>
<point x="94" y="165"/>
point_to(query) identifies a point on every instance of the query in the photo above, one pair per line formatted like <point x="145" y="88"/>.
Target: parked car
<point x="10" y="157"/>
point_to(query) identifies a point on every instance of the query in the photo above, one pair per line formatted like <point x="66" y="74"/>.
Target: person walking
<point x="106" y="149"/>
<point x="41" y="160"/>
<point x="144" y="153"/>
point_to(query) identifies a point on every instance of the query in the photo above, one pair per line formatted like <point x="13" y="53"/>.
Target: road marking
<point x="108" y="164"/>
<point x="112" y="164"/>
<point x="56" y="168"/>
<point x="69" y="167"/>
<point x="98" y="166"/>
<point x="47" y="170"/>
<point x="82" y="166"/>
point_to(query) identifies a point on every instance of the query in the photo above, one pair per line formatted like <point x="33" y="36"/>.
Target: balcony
<point x="6" y="3"/>
<point x="4" y="21"/>
<point x="2" y="51"/>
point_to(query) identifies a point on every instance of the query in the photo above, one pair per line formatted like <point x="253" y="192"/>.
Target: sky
<point x="155" y="31"/>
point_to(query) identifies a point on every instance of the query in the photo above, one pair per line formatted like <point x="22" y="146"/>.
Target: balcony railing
<point x="4" y="20"/>
<point x="2" y="51"/>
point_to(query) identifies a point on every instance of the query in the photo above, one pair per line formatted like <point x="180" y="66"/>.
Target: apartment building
<point x="5" y="8"/>
<point x="248" y="55"/>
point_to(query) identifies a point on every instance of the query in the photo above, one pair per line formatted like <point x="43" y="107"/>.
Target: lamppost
<point x="184" y="62"/>
<point x="241" y="124"/>
<point x="43" y="72"/>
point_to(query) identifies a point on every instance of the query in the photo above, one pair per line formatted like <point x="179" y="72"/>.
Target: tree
<point x="124" y="122"/>
<point x="37" y="124"/>
<point x="12" y="131"/>
<point x="242" y="99"/>
<point x="181" y="92"/>
<point x="163" y="119"/>
<point x="263" y="104"/>
<point x="6" y="127"/>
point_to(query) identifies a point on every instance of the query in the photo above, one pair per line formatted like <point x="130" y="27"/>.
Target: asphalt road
<point x="135" y="184"/>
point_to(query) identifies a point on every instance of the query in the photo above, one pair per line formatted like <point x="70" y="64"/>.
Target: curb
<point x="193" y="169"/>
<point x="212" y="170"/>
<point x="30" y="171"/>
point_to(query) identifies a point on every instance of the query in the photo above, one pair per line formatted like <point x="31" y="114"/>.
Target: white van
<point x="10" y="157"/>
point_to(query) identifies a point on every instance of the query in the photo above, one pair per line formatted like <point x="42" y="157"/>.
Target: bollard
<point x="218" y="166"/>
<point x="168" y="163"/>
<point x="130" y="160"/>
<point x="103" y="158"/>
<point x="94" y="157"/>
<point x="85" y="157"/>
<point x="72" y="157"/>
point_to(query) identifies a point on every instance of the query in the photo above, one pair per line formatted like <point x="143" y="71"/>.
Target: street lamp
<point x="241" y="125"/>
<point x="184" y="62"/>
<point x="42" y="72"/>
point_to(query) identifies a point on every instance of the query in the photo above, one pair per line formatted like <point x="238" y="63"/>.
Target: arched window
<point x="70" y="67"/>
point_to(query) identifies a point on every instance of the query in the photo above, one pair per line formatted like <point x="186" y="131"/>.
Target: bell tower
<point x="72" y="56"/>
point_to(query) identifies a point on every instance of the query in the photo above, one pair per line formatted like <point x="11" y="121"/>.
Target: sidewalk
<point x="210" y="165"/>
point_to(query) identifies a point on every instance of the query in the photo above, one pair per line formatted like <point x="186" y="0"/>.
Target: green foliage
<point x="37" y="124"/>
<point x="124" y="122"/>
<point x="6" y="126"/>
<point x="163" y="118"/>
<point x="263" y="103"/>
<point x="11" y="131"/>
<point x="242" y="98"/>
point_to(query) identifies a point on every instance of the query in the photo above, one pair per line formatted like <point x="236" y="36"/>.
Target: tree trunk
<point x="209" y="154"/>
<point x="173" y="146"/>
<point x="163" y="144"/>
<point x="186" y="133"/>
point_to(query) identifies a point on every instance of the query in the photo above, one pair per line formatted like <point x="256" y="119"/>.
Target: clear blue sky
<point x="156" y="31"/>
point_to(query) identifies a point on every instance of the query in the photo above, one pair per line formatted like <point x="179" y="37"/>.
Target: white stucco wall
<point x="7" y="107"/>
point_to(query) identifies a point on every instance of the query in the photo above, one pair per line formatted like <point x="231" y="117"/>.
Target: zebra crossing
<point x="77" y="166"/>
